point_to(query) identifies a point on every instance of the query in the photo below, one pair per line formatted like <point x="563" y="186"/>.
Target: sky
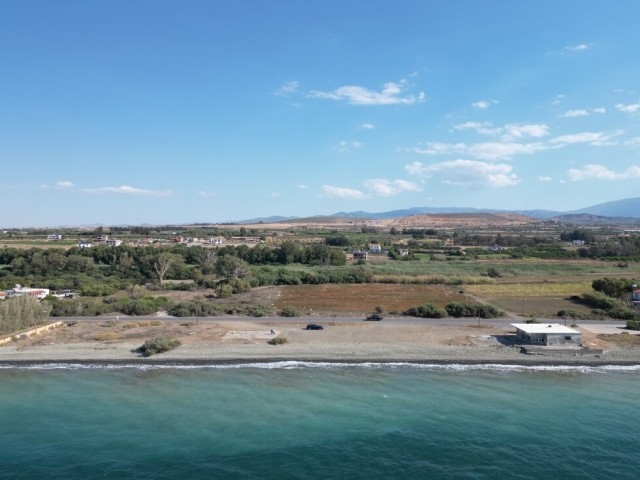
<point x="161" y="112"/>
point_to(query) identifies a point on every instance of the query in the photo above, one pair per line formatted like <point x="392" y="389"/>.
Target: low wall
<point x="30" y="332"/>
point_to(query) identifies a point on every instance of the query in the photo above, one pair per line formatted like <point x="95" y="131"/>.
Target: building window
<point x="567" y="338"/>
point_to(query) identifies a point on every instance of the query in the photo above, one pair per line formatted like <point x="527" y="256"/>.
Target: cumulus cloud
<point x="207" y="194"/>
<point x="302" y="187"/>
<point x="466" y="173"/>
<point x="330" y="191"/>
<point x="600" y="172"/>
<point x="545" y="179"/>
<point x="368" y="126"/>
<point x="287" y="88"/>
<point x="127" y="190"/>
<point x="345" y="145"/>
<point x="388" y="188"/>
<point x="484" y="151"/>
<point x="483" y="104"/>
<point x="593" y="138"/>
<point x="582" y="112"/>
<point x="392" y="93"/>
<point x="633" y="108"/>
<point x="575" y="113"/>
<point x="508" y="132"/>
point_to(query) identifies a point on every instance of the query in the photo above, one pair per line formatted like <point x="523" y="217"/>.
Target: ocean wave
<point x="296" y="365"/>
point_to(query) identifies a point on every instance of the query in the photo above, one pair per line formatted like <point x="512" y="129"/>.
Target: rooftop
<point x="536" y="328"/>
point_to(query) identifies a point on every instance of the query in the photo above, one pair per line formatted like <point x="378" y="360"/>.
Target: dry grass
<point x="143" y="323"/>
<point x="107" y="336"/>
<point x="345" y="299"/>
<point x="519" y="290"/>
<point x="622" y="340"/>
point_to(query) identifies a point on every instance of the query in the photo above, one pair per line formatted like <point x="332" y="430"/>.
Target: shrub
<point x="158" y="345"/>
<point x="106" y="336"/>
<point x="427" y="310"/>
<point x="289" y="311"/>
<point x="110" y="323"/>
<point x="633" y="325"/>
<point x="278" y="340"/>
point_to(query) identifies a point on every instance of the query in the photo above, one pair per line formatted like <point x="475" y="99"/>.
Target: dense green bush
<point x="426" y="310"/>
<point x="456" y="309"/>
<point x="21" y="313"/>
<point x="158" y="345"/>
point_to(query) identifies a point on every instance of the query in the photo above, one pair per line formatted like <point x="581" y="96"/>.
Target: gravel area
<point x="221" y="342"/>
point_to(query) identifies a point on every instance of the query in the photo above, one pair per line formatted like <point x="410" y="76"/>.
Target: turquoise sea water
<point x="291" y="420"/>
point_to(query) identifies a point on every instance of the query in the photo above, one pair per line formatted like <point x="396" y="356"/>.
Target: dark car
<point x="314" y="326"/>
<point x="375" y="317"/>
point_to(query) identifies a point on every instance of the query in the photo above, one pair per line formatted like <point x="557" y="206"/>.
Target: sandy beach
<point x="223" y="341"/>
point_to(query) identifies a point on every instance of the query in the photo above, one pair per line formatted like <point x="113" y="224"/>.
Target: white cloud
<point x="508" y="131"/>
<point x="391" y="94"/>
<point x="368" y="126"/>
<point x="484" y="128"/>
<point x="345" y="145"/>
<point x="287" y="88"/>
<point x="208" y="194"/>
<point x="600" y="172"/>
<point x="598" y="139"/>
<point x="64" y="184"/>
<point x="575" y="113"/>
<point x="634" y="142"/>
<point x="502" y="151"/>
<point x="329" y="191"/>
<point x="483" y="151"/>
<point x="599" y="110"/>
<point x="467" y="173"/>
<point x="545" y="179"/>
<point x="125" y="189"/>
<point x="387" y="188"/>
<point x="484" y="104"/>
<point x="302" y="187"/>
<point x="576" y="48"/>
<point x="275" y="194"/>
<point x="633" y="108"/>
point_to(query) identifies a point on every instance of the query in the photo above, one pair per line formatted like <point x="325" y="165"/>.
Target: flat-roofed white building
<point x="547" y="334"/>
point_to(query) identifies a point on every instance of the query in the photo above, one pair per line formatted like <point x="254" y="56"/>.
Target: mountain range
<point x="626" y="210"/>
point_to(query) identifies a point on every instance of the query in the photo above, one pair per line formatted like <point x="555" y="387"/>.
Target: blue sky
<point x="159" y="112"/>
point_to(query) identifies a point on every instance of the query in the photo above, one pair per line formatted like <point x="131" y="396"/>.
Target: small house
<point x="403" y="252"/>
<point x="375" y="248"/>
<point x="360" y="255"/>
<point x="54" y="237"/>
<point x="547" y="334"/>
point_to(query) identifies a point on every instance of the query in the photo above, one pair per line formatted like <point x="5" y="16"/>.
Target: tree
<point x="22" y="312"/>
<point x="163" y="263"/>
<point x="231" y="266"/>
<point x="613" y="287"/>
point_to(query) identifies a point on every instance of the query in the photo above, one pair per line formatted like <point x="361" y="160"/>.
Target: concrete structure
<point x="403" y="252"/>
<point x="54" y="237"/>
<point x="547" y="334"/>
<point x="84" y="244"/>
<point x="375" y="248"/>
<point x="215" y="241"/>
<point x="360" y="255"/>
<point x="113" y="243"/>
<point x="19" y="290"/>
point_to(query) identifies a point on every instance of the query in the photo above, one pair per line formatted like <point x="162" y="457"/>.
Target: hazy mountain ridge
<point x="618" y="211"/>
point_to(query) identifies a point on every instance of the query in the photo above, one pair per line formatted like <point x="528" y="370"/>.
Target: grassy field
<point x="347" y="299"/>
<point x="545" y="307"/>
<point x="528" y="290"/>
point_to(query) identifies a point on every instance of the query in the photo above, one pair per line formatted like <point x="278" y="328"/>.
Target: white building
<point x="215" y="241"/>
<point x="54" y="237"/>
<point x="19" y="291"/>
<point x="547" y="334"/>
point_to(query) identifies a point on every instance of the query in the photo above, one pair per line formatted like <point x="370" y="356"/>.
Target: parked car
<point x="314" y="326"/>
<point x="375" y="317"/>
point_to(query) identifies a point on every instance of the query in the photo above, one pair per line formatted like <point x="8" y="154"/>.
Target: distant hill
<point x="627" y="207"/>
<point x="588" y="219"/>
<point x="618" y="211"/>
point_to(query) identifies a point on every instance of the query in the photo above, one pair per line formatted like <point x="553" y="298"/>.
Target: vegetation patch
<point x="158" y="345"/>
<point x="107" y="336"/>
<point x="278" y="340"/>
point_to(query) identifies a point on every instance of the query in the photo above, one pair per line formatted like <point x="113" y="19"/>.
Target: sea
<point x="297" y="420"/>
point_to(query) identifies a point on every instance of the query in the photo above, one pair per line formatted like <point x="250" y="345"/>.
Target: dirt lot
<point x="355" y="299"/>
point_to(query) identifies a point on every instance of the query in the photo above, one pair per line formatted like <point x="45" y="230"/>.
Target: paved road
<point x="329" y="320"/>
